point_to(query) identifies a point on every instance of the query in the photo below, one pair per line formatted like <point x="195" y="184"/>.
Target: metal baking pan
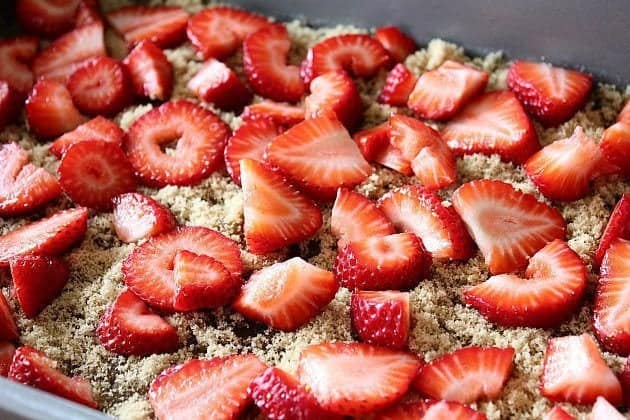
<point x="590" y="35"/>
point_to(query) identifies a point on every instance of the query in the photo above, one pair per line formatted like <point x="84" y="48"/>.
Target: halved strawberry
<point x="300" y="292"/>
<point x="11" y="102"/>
<point x="551" y="94"/>
<point x="99" y="128"/>
<point x="138" y="216"/>
<point x="16" y="55"/>
<point x="205" y="388"/>
<point x="129" y="327"/>
<point x="396" y="42"/>
<point x="354" y="217"/>
<point x="150" y="72"/>
<point x="603" y="410"/>
<point x="50" y="236"/>
<point x="624" y="378"/>
<point x="615" y="145"/>
<point x="405" y="411"/>
<point x="551" y="292"/>
<point x="265" y="54"/>
<point x="319" y="156"/>
<point x="87" y="13"/>
<point x="163" y="25"/>
<point x="372" y="140"/>
<point x="381" y="318"/>
<point x="558" y="413"/>
<point x="618" y="226"/>
<point x="507" y="225"/>
<point x="335" y="94"/>
<point x="417" y="210"/>
<point x="219" y="31"/>
<point x="46" y="17"/>
<point x="38" y="280"/>
<point x="33" y="368"/>
<point x="355" y="378"/>
<point x="450" y="410"/>
<point x="7" y="350"/>
<point x="398" y="86"/>
<point x="494" y="122"/>
<point x="392" y="262"/>
<point x="624" y="114"/>
<point x="217" y="83"/>
<point x="148" y="270"/>
<point x="200" y="137"/>
<point x="24" y="187"/>
<point x="8" y="327"/>
<point x="282" y="114"/>
<point x="575" y="372"/>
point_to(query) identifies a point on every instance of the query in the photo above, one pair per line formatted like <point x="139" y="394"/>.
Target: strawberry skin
<point x="405" y="411"/>
<point x="11" y="102"/>
<point x="99" y="128"/>
<point x="284" y="115"/>
<point x="396" y="42"/>
<point x="163" y="25"/>
<point x="558" y="413"/>
<point x="8" y="328"/>
<point x="398" y="86"/>
<point x="138" y="216"/>
<point x="88" y="12"/>
<point x="615" y="145"/>
<point x="46" y="18"/>
<point x="16" y="55"/>
<point x="150" y="72"/>
<point x="218" y="84"/>
<point x="624" y="378"/>
<point x="375" y="147"/>
<point x="381" y="318"/>
<point x="7" y="350"/>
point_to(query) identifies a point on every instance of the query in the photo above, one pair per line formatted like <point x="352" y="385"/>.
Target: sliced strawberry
<point x="217" y="83"/>
<point x="7" y="350"/>
<point x="624" y="114"/>
<point x="8" y="328"/>
<point x="551" y="94"/>
<point x="47" y="18"/>
<point x="137" y="217"/>
<point x="150" y="72"/>
<point x="33" y="368"/>
<point x="507" y="225"/>
<point x="163" y="25"/>
<point x="200" y="137"/>
<point x="148" y="270"/>
<point x="381" y="318"/>
<point x="11" y="102"/>
<point x="129" y="327"/>
<point x="319" y="156"/>
<point x="624" y="378"/>
<point x="449" y="410"/>
<point x="404" y="411"/>
<point x="87" y="13"/>
<point x="398" y="86"/>
<point x="396" y="42"/>
<point x="603" y="410"/>
<point x="618" y="226"/>
<point x="392" y="262"/>
<point x="558" y="413"/>
<point x="493" y="123"/>
<point x="354" y="217"/>
<point x="38" y="281"/>
<point x="282" y="114"/>
<point x="16" y="54"/>
<point x="265" y="54"/>
<point x="575" y="372"/>
<point x="355" y="378"/>
<point x="219" y="31"/>
<point x="275" y="213"/>
<point x="210" y="389"/>
<point x="335" y="93"/>
<point x="99" y="128"/>
<point x="372" y="140"/>
<point x="615" y="145"/>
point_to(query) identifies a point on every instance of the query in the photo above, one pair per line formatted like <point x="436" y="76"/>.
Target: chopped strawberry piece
<point x="396" y="42"/>
<point x="615" y="145"/>
<point x="575" y="372"/>
<point x="551" y="94"/>
<point x="265" y="54"/>
<point x="150" y="72"/>
<point x="624" y="114"/>
<point x="87" y="13"/>
<point x="558" y="413"/>
<point x="390" y="157"/>
<point x="507" y="225"/>
<point x="603" y="410"/>
<point x="398" y="86"/>
<point x="200" y="136"/>
<point x="217" y="83"/>
<point x="11" y="102"/>
<point x="354" y="217"/>
<point x="282" y="114"/>
<point x="405" y="411"/>
<point x="16" y="54"/>
<point x="129" y="327"/>
<point x="8" y="328"/>
<point x="372" y="140"/>
<point x="45" y="17"/>
<point x="7" y="350"/>
<point x="624" y="378"/>
<point x="275" y="213"/>
<point x="205" y="388"/>
<point x="137" y="217"/>
<point x="381" y="318"/>
<point x="99" y="128"/>
<point x="335" y="94"/>
<point x="452" y="411"/>
<point x="163" y="25"/>
<point x="618" y="226"/>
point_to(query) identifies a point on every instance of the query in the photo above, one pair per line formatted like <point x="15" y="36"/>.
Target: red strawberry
<point x="396" y="42"/>
<point x="282" y="114"/>
<point x="35" y="369"/>
<point x="150" y="72"/>
<point x="551" y="94"/>
<point x="219" y="31"/>
<point x="449" y="410"/>
<point x="11" y="102"/>
<point x="163" y="25"/>
<point x="381" y="318"/>
<point x="8" y="328"/>
<point x="38" y="281"/>
<point x="405" y="411"/>
<point x="624" y="114"/>
<point x="217" y="83"/>
<point x="319" y="156"/>
<point x="275" y="213"/>
<point x="615" y="145"/>
<point x="7" y="350"/>
<point x="137" y="217"/>
<point x="148" y="270"/>
<point x="93" y="172"/>
<point x="575" y="372"/>
<point x="50" y="236"/>
<point x="398" y="86"/>
<point x="507" y="225"/>
<point x="335" y="94"/>
<point x="129" y="327"/>
<point x="551" y="292"/>
<point x="603" y="410"/>
<point x="624" y="378"/>
<point x="493" y="123"/>
<point x="354" y="378"/>
<point x="46" y="17"/>
<point x="265" y="54"/>
<point x="99" y="128"/>
<point x="390" y="262"/>
<point x="24" y="187"/>
<point x="419" y="211"/>
<point x="16" y="55"/>
<point x="558" y="413"/>
<point x="372" y="140"/>
<point x="618" y="227"/>
<point x="205" y="388"/>
<point x="87" y="13"/>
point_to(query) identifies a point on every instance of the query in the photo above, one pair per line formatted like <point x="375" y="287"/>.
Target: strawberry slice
<point x="575" y="372"/>
<point x="163" y="25"/>
<point x="398" y="86"/>
<point x="493" y="123"/>
<point x="618" y="226"/>
<point x="53" y="235"/>
<point x="88" y="12"/>
<point x="284" y="115"/>
<point x="219" y="31"/>
<point x="16" y="55"/>
<point x="33" y="368"/>
<point x="624" y="378"/>
<point x="150" y="72"/>
<point x="372" y="140"/>
<point x="319" y="156"/>
<point x="450" y="410"/>
<point x="218" y="84"/>
<point x="507" y="225"/>
<point x="24" y="187"/>
<point x="392" y="262"/>
<point x="624" y="114"/>
<point x="419" y="211"/>
<point x="38" y="281"/>
<point x="7" y="350"/>
<point x="381" y="318"/>
<point x="45" y="17"/>
<point x="354" y="378"/>
<point x="405" y="411"/>
<point x="275" y="213"/>
<point x="335" y="94"/>
<point x="354" y="217"/>
<point x="615" y="145"/>
<point x="551" y="94"/>
<point x="396" y="42"/>
<point x="11" y="102"/>
<point x="265" y="55"/>
<point x="8" y="328"/>
<point x="138" y="216"/>
<point x="148" y="270"/>
<point x="129" y="327"/>
<point x="200" y="137"/>
<point x="603" y="410"/>
<point x="558" y="413"/>
<point x="210" y="389"/>
<point x="99" y="128"/>
<point x="551" y="292"/>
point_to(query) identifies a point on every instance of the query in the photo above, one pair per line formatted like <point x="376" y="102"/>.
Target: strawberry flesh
<point x="99" y="128"/>
<point x="618" y="226"/>
<point x="396" y="42"/>
<point x="558" y="413"/>
<point x="16" y="55"/>
<point x="284" y="115"/>
<point x="405" y="411"/>
<point x="150" y="72"/>
<point x="398" y="86"/>
<point x="11" y="102"/>
<point x="138" y="216"/>
<point x="615" y="145"/>
<point x="8" y="327"/>
<point x="45" y="17"/>
<point x="603" y="410"/>
<point x="335" y="94"/>
<point x="163" y="25"/>
<point x="218" y="84"/>
<point x="381" y="318"/>
<point x="451" y="410"/>
<point x="7" y="350"/>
